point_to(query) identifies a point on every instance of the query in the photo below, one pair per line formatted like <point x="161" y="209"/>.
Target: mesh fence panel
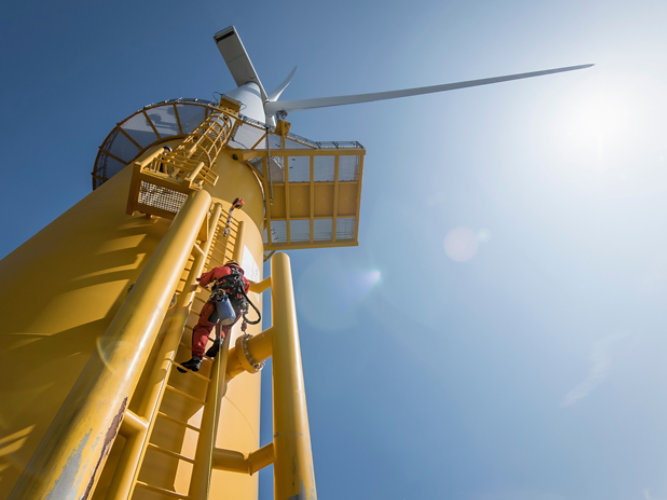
<point x="161" y="197"/>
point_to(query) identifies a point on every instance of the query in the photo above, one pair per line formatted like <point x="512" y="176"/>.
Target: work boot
<point x="191" y="364"/>
<point x="213" y="350"/>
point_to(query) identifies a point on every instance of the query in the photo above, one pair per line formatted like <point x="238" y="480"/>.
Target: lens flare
<point x="368" y="279"/>
<point x="461" y="244"/>
<point x="483" y="235"/>
<point x="330" y="291"/>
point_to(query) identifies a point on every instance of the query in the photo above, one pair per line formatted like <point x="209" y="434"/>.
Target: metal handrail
<point x="67" y="461"/>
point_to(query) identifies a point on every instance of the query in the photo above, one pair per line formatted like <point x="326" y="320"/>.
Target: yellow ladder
<point x="194" y="157"/>
<point x="185" y="394"/>
<point x="103" y="403"/>
<point x="162" y="181"/>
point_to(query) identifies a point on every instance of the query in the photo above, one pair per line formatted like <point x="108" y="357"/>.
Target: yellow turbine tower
<point x="101" y="302"/>
<point x="102" y="413"/>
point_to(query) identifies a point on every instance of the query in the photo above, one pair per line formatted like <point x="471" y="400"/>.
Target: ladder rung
<point x="157" y="489"/>
<point x="198" y="375"/>
<point x="155" y="447"/>
<point x="185" y="394"/>
<point x="176" y="421"/>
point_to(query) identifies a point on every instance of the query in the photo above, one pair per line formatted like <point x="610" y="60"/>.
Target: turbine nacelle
<point x="250" y="91"/>
<point x="256" y="104"/>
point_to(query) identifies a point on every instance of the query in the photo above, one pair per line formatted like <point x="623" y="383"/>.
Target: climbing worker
<point x="227" y="303"/>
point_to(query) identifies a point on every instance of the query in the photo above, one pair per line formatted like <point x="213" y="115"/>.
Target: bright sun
<point x="599" y="121"/>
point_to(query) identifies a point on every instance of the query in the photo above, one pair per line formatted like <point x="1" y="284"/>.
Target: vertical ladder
<point x="190" y="403"/>
<point x="290" y="449"/>
<point x="112" y="379"/>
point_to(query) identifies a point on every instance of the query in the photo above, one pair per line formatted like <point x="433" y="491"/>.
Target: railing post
<point x="294" y="477"/>
<point x="68" y="461"/>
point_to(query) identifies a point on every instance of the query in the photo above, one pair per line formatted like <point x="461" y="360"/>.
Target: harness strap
<point x="232" y="285"/>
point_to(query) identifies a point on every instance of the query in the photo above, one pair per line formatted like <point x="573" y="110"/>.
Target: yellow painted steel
<point x="202" y="467"/>
<point x="75" y="447"/>
<point x="238" y="248"/>
<point x="314" y="200"/>
<point x="177" y="434"/>
<point x="59" y="292"/>
<point x="238" y="462"/>
<point x="134" y="450"/>
<point x="132" y="423"/>
<point x="238" y="427"/>
<point x="294" y="477"/>
<point x="239" y="413"/>
<point x="194" y="157"/>
<point x="261" y="286"/>
<point x="319" y="196"/>
<point x="261" y="458"/>
<point x="291" y="452"/>
<point x="259" y="348"/>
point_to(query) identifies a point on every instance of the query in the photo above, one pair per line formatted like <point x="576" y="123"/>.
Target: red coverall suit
<point x="203" y="328"/>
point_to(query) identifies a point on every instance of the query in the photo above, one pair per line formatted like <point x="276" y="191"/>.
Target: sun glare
<point x="341" y="290"/>
<point x="597" y="122"/>
<point x="370" y="278"/>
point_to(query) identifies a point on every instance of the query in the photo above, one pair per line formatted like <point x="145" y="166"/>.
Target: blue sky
<point x="499" y="332"/>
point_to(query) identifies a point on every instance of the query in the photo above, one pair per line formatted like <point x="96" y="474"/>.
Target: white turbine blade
<point x="323" y="102"/>
<point x="236" y="57"/>
<point x="281" y="88"/>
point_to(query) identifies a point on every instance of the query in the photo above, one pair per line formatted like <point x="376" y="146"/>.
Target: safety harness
<point x="233" y="286"/>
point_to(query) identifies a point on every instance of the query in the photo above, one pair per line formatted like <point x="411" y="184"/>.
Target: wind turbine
<point x="117" y="275"/>
<point x="266" y="107"/>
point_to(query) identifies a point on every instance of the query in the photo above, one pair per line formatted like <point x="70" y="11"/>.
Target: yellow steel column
<point x="67" y="462"/>
<point x="294" y="477"/>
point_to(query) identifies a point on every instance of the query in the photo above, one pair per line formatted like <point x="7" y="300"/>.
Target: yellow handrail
<point x="69" y="459"/>
<point x="194" y="157"/>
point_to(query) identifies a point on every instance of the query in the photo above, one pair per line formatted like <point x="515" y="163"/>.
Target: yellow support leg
<point x="294" y="477"/>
